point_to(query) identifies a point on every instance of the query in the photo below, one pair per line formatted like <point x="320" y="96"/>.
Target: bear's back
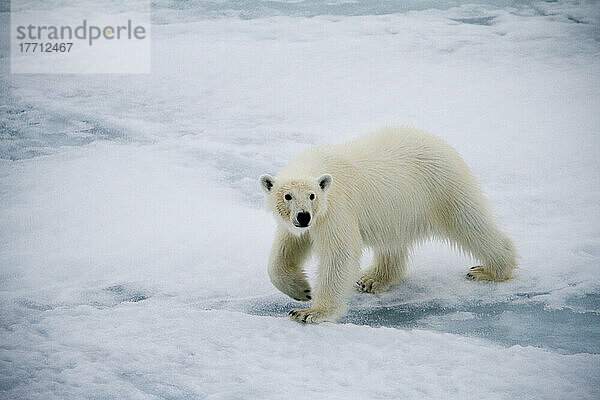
<point x="389" y="155"/>
<point x="394" y="177"/>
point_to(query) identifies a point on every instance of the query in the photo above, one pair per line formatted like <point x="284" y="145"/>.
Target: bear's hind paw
<point x="479" y="273"/>
<point x="370" y="285"/>
<point x="307" y="315"/>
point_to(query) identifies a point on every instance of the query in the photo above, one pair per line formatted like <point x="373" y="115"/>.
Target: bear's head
<point x="296" y="202"/>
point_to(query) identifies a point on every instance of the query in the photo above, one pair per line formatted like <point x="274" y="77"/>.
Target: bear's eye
<point x="288" y="197"/>
<point x="312" y="196"/>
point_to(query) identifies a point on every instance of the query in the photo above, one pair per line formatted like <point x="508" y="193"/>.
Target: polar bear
<point x="387" y="190"/>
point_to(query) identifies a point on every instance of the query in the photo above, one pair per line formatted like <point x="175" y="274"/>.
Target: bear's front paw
<point x="298" y="289"/>
<point x="300" y="292"/>
<point x="308" y="315"/>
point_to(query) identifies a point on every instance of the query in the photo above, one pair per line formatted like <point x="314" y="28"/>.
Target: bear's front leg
<point x="287" y="256"/>
<point x="339" y="254"/>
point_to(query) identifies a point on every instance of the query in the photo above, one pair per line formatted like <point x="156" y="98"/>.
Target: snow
<point x="163" y="349"/>
<point x="133" y="242"/>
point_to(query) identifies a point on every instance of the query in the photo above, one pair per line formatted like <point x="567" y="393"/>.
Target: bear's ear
<point x="266" y="182"/>
<point x="324" y="182"/>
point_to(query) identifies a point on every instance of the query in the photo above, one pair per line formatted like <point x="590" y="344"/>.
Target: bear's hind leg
<point x="389" y="267"/>
<point x="473" y="229"/>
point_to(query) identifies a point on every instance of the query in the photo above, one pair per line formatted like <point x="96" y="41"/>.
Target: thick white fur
<point x="390" y="190"/>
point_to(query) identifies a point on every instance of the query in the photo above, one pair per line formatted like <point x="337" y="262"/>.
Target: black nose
<point x="303" y="219"/>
